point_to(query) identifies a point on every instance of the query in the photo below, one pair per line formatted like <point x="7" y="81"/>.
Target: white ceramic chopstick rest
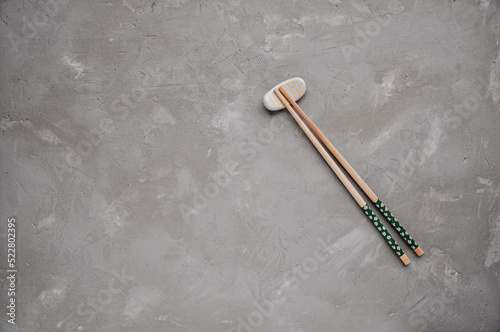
<point x="295" y="87"/>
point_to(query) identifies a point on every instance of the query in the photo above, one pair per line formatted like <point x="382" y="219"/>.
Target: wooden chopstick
<point x="354" y="193"/>
<point x="371" y="195"/>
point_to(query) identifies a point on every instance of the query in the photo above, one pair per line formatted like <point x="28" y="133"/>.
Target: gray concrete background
<point x="153" y="192"/>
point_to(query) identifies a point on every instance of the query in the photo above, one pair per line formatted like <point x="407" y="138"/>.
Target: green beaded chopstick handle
<point x="395" y="223"/>
<point x="385" y="233"/>
<point x="358" y="180"/>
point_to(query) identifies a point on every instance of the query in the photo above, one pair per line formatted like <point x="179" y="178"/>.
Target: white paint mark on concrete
<point x="444" y="196"/>
<point x="493" y="250"/>
<point x="162" y="116"/>
<point x="484" y="181"/>
<point x="494" y="84"/>
<point x="76" y="65"/>
<point x="50" y="298"/>
<point x="46" y="223"/>
<point x="47" y="136"/>
<point x="128" y="6"/>
<point x="113" y="217"/>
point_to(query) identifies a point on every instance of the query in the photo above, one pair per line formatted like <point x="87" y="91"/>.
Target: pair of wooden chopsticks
<point x="287" y="100"/>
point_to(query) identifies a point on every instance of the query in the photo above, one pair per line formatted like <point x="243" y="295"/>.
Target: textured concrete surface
<point x="153" y="192"/>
